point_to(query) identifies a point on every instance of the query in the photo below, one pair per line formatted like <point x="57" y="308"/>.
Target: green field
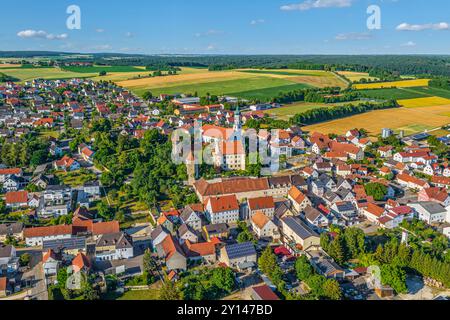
<point x="27" y="74"/>
<point x="267" y="93"/>
<point x="432" y="92"/>
<point x="394" y="93"/>
<point x="225" y="87"/>
<point x="287" y="73"/>
<point x="97" y="69"/>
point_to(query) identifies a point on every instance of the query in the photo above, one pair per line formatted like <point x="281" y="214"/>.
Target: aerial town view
<point x="223" y="151"/>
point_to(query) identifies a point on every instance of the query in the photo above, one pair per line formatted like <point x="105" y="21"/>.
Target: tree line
<point x="326" y="114"/>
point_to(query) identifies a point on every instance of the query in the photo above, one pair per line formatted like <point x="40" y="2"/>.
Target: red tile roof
<point x="10" y="171"/>
<point x="223" y="203"/>
<point x="265" y="293"/>
<point x="80" y="262"/>
<point x="261" y="203"/>
<point x="47" y="231"/>
<point x="16" y="197"/>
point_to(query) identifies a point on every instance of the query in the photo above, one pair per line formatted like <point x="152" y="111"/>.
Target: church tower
<point x="192" y="169"/>
<point x="237" y="125"/>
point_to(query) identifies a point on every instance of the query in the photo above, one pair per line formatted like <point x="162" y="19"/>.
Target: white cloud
<point x="129" y="35"/>
<point x="30" y="34"/>
<point x="257" y="21"/>
<point x="210" y="32"/>
<point x="211" y="47"/>
<point x="100" y="30"/>
<point x="409" y="44"/>
<point x="317" y="4"/>
<point x="421" y="27"/>
<point x="353" y="36"/>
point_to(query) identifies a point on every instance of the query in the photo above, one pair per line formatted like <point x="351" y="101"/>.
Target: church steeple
<point x="237" y="121"/>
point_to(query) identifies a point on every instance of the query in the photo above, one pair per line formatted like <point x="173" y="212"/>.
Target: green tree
<point x="223" y="278"/>
<point x="268" y="261"/>
<point x="395" y="277"/>
<point x="377" y="190"/>
<point x="169" y="291"/>
<point x="332" y="290"/>
<point x="303" y="268"/>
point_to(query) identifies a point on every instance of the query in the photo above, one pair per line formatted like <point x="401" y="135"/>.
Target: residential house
<point x="239" y="256"/>
<point x="173" y="255"/>
<point x="205" y="252"/>
<point x="263" y="227"/>
<point x="13" y="230"/>
<point x="113" y="246"/>
<point x="438" y="195"/>
<point x="299" y="200"/>
<point x="16" y="200"/>
<point x="430" y="212"/>
<point x="67" y="164"/>
<point x="265" y="205"/>
<point x="315" y="218"/>
<point x="224" y="209"/>
<point x="373" y="212"/>
<point x="298" y="236"/>
<point x="50" y="263"/>
<point x="192" y="216"/>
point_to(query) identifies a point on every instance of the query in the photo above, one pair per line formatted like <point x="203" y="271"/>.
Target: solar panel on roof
<point x="240" y="250"/>
<point x="68" y="244"/>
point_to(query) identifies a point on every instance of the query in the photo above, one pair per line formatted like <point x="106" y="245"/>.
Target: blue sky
<point x="228" y="27"/>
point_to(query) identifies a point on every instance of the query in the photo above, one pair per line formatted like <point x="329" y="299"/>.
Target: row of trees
<point x="348" y="244"/>
<point x="326" y="114"/>
<point x="31" y="150"/>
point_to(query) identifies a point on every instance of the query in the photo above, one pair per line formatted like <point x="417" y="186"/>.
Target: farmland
<point x="245" y="83"/>
<point x="27" y="74"/>
<point x="410" y="120"/>
<point x="108" y="69"/>
<point x="394" y="84"/>
<point x="288" y="111"/>
<point x="424" y="102"/>
<point x="429" y="91"/>
<point x="356" y="76"/>
<point x="392" y="93"/>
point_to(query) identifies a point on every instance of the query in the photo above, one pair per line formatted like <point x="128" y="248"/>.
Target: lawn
<point x="131" y="205"/>
<point x="152" y="294"/>
<point x="391" y="93"/>
<point x="394" y="84"/>
<point x="76" y="178"/>
<point x="424" y="102"/>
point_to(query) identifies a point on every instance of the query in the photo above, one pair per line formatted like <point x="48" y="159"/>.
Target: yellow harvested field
<point x="184" y="79"/>
<point x="320" y="82"/>
<point x="356" y="76"/>
<point x="424" y="102"/>
<point x="409" y="120"/>
<point x="394" y="84"/>
<point x="9" y="65"/>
